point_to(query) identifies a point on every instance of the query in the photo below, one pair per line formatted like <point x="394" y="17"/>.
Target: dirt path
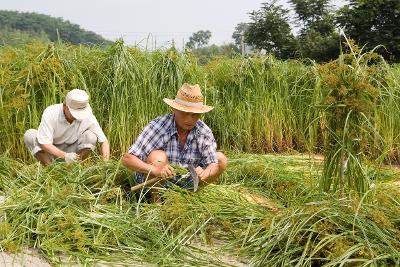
<point x="29" y="258"/>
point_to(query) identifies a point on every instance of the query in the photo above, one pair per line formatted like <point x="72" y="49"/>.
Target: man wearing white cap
<point x="67" y="131"/>
<point x="179" y="138"/>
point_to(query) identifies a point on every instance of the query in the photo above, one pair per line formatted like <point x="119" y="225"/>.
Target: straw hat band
<point x="187" y="103"/>
<point x="189" y="95"/>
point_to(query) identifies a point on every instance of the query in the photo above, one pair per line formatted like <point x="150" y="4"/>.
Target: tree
<point x="207" y="53"/>
<point x="317" y="39"/>
<point x="17" y="37"/>
<point x="270" y="30"/>
<point x="314" y="15"/>
<point x="318" y="47"/>
<point x="54" y="28"/>
<point x="240" y="29"/>
<point x="373" y="23"/>
<point x="198" y="39"/>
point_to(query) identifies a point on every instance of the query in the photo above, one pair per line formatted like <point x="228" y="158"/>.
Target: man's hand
<point x="208" y="174"/>
<point x="202" y="173"/>
<point x="162" y="171"/>
<point x="105" y="150"/>
<point x="71" y="157"/>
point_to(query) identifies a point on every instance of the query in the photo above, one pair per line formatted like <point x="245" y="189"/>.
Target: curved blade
<point x="194" y="177"/>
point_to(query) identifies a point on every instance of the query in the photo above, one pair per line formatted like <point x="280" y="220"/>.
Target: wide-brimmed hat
<point x="189" y="99"/>
<point x="77" y="102"/>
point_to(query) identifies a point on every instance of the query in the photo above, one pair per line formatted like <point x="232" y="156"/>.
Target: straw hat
<point x="78" y="104"/>
<point x="189" y="99"/>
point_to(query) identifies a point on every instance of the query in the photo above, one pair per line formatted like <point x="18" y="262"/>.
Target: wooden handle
<point x="149" y="182"/>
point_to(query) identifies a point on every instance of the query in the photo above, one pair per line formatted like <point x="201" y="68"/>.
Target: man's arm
<point x="135" y="164"/>
<point x="101" y="138"/>
<point x="105" y="150"/>
<point x="53" y="150"/>
<point x="209" y="174"/>
<point x="209" y="159"/>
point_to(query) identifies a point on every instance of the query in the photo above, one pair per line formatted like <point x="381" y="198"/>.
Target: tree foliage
<point x="54" y="28"/>
<point x="240" y="29"/>
<point x="370" y="23"/>
<point x="373" y="23"/>
<point x="270" y="30"/>
<point x="314" y="15"/>
<point x="317" y="39"/>
<point x="15" y="37"/>
<point x="207" y="53"/>
<point x="316" y="46"/>
<point x="198" y="39"/>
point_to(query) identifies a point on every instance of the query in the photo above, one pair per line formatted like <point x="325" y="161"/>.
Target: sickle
<point x="195" y="177"/>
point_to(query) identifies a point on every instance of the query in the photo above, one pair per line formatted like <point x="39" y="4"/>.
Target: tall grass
<point x="267" y="101"/>
<point x="261" y="104"/>
<point x="350" y="102"/>
<point x="387" y="113"/>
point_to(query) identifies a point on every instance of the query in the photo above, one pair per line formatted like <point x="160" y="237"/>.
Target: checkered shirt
<point x="161" y="134"/>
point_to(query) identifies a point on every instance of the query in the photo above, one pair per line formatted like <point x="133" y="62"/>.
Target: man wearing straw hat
<point x="179" y="138"/>
<point x="68" y="131"/>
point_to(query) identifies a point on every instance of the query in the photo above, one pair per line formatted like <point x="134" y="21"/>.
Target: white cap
<point x="78" y="104"/>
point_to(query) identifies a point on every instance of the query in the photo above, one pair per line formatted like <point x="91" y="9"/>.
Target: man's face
<point x="68" y="114"/>
<point x="186" y="120"/>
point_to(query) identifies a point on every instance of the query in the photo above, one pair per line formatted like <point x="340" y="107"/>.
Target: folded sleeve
<point x="148" y="140"/>
<point x="209" y="150"/>
<point x="96" y="129"/>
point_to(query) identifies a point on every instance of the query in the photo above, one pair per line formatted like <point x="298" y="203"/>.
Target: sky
<point x="151" y="23"/>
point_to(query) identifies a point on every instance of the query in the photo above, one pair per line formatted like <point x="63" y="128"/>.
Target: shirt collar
<point x="61" y="117"/>
<point x="172" y="128"/>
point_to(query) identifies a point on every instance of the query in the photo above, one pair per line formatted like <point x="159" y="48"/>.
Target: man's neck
<point x="181" y="131"/>
<point x="68" y="119"/>
<point x="182" y="134"/>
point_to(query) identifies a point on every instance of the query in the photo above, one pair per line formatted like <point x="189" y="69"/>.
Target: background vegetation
<point x="22" y="27"/>
<point x="308" y="28"/>
<point x="262" y="104"/>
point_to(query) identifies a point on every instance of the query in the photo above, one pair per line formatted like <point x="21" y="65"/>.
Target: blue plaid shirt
<point x="161" y="134"/>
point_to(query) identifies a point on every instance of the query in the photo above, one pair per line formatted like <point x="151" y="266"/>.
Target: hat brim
<point x="175" y="105"/>
<point x="81" y="114"/>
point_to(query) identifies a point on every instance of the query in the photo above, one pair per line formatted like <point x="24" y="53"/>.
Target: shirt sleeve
<point x="96" y="129"/>
<point x="148" y="140"/>
<point x="46" y="128"/>
<point x="209" y="150"/>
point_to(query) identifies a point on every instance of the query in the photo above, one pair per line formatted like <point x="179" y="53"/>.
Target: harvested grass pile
<point x="332" y="232"/>
<point x="86" y="214"/>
